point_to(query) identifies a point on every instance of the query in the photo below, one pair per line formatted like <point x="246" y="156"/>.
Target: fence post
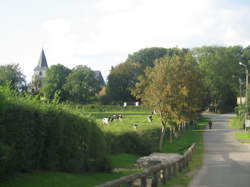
<point x="169" y="171"/>
<point x="144" y="182"/>
<point x="154" y="180"/>
<point x="163" y="176"/>
<point x="174" y="168"/>
<point x="129" y="184"/>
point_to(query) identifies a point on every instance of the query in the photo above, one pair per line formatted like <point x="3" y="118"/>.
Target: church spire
<point x="42" y="63"/>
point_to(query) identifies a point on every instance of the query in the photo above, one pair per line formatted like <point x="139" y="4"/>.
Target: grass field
<point x="126" y="161"/>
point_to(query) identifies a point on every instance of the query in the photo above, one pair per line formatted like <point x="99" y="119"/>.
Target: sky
<point x="102" y="33"/>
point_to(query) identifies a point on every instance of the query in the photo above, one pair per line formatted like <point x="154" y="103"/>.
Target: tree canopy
<point x="121" y="80"/>
<point x="12" y="75"/>
<point x="81" y="85"/>
<point x="54" y="81"/>
<point x="220" y="68"/>
<point x="174" y="88"/>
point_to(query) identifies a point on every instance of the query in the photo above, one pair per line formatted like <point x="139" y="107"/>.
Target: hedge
<point x="37" y="136"/>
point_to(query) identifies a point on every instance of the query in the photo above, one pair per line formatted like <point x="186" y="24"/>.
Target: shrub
<point x="34" y="135"/>
<point x="140" y="143"/>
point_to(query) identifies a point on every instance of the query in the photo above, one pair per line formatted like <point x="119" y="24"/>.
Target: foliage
<point x="173" y="87"/>
<point x="54" y="81"/>
<point x="81" y="85"/>
<point x="11" y="75"/>
<point x="37" y="136"/>
<point x="50" y="179"/>
<point x="123" y="77"/>
<point x="220" y="67"/>
<point x="120" y="80"/>
<point x="183" y="178"/>
<point x="146" y="57"/>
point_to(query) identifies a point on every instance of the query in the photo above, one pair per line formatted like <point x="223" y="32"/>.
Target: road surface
<point x="226" y="161"/>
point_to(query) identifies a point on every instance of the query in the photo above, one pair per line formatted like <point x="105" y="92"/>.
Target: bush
<point x="36" y="136"/>
<point x="139" y="143"/>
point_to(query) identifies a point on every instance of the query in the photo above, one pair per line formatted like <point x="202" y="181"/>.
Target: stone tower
<point x="39" y="72"/>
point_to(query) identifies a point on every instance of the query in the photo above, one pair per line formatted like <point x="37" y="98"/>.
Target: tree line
<point x="218" y="67"/>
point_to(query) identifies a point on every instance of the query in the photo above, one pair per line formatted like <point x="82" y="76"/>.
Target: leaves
<point x="11" y="74"/>
<point x="54" y="80"/>
<point x="81" y="85"/>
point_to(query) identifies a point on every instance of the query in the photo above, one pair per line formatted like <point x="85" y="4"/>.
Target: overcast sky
<point x="101" y="33"/>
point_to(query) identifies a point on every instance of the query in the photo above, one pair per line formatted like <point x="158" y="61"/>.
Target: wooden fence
<point x="154" y="175"/>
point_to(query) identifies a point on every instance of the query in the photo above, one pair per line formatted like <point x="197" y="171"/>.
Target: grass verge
<point x="242" y="136"/>
<point x="183" y="178"/>
<point x="236" y="123"/>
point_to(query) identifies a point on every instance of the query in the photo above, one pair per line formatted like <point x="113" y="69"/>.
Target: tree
<point x="54" y="81"/>
<point x="146" y="57"/>
<point x="123" y="77"/>
<point x="168" y="87"/>
<point x="81" y="85"/>
<point x="11" y="74"/>
<point x="220" y="67"/>
<point x="120" y="81"/>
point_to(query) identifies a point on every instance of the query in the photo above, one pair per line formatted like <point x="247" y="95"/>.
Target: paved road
<point x="226" y="161"/>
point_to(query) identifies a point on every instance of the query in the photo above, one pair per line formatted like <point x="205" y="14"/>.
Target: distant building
<point x="98" y="76"/>
<point x="39" y="72"/>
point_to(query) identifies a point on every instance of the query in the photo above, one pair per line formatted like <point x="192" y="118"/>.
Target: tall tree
<point x="81" y="85"/>
<point x="168" y="88"/>
<point x="11" y="74"/>
<point x="123" y="77"/>
<point x="120" y="81"/>
<point x="54" y="81"/>
<point x="220" y="67"/>
<point x="146" y="57"/>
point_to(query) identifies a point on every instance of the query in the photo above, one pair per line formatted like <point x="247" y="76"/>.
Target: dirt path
<point x="226" y="161"/>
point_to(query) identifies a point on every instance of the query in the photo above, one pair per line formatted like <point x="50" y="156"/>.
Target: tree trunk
<point x="170" y="135"/>
<point x="162" y="137"/>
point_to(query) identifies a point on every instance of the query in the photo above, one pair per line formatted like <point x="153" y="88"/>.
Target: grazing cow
<point x="135" y="126"/>
<point x="116" y="117"/>
<point x="150" y="118"/>
<point x="105" y="121"/>
<point x="120" y="117"/>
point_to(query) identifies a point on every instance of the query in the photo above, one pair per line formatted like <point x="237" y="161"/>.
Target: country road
<point x="226" y="161"/>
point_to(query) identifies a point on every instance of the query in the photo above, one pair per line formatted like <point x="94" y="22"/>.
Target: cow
<point x="150" y="118"/>
<point x="105" y="121"/>
<point x="135" y="126"/>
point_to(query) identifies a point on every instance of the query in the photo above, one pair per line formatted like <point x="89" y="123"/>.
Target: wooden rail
<point x="154" y="175"/>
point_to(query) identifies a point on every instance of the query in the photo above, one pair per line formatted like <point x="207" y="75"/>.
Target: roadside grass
<point x="182" y="179"/>
<point x="125" y="161"/>
<point x="241" y="136"/>
<point x="236" y="123"/>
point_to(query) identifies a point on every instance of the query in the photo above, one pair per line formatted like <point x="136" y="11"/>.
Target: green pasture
<point x="126" y="124"/>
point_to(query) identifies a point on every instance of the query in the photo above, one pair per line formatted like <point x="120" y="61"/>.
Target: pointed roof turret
<point x="42" y="63"/>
